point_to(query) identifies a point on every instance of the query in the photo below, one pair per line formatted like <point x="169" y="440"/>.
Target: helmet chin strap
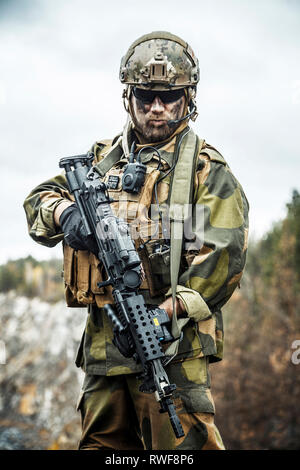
<point x="131" y="121"/>
<point x="130" y="124"/>
<point x="126" y="131"/>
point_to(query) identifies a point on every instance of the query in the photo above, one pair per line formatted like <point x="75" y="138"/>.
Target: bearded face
<point x="151" y="111"/>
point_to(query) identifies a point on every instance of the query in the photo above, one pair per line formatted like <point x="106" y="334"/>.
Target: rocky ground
<point x="39" y="382"/>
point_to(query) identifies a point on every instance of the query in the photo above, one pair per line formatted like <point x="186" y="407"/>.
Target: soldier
<point x="160" y="73"/>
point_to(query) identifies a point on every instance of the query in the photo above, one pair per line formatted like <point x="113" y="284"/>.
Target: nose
<point x="157" y="105"/>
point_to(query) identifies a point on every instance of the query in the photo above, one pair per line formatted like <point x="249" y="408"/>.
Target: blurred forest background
<point x="256" y="387"/>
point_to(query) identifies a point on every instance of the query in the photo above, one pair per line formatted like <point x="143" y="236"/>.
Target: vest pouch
<point x="82" y="273"/>
<point x="69" y="273"/>
<point x="84" y="293"/>
<point x="159" y="265"/>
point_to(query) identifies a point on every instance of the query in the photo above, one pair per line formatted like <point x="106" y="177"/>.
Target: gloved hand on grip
<point x="74" y="231"/>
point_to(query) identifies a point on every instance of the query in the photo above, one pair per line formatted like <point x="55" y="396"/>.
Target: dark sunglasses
<point x="148" y="96"/>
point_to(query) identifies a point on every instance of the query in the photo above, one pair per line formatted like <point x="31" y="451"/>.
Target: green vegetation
<point x="257" y="385"/>
<point x="32" y="278"/>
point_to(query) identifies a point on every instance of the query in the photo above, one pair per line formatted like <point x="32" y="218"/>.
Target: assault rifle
<point x="138" y="331"/>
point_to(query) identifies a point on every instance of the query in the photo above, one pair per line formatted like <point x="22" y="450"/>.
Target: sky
<point x="60" y="92"/>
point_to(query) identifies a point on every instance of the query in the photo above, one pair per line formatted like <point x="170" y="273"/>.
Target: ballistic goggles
<point x="148" y="96"/>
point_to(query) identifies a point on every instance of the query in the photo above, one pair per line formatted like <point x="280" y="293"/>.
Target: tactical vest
<point x="83" y="271"/>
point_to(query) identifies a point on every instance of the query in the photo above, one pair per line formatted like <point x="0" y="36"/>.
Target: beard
<point x="153" y="133"/>
<point x="146" y="127"/>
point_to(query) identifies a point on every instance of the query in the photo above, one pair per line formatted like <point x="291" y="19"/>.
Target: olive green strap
<point x="181" y="195"/>
<point x="117" y="151"/>
<point x="113" y="156"/>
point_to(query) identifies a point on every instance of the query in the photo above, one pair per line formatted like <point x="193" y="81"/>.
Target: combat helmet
<point x="159" y="61"/>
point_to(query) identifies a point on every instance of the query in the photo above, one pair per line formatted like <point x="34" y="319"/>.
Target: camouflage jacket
<point x="207" y="277"/>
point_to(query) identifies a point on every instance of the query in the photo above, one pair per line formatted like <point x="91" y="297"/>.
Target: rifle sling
<point x="183" y="178"/>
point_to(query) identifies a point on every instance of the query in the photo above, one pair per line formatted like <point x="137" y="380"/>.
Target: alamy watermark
<point x="153" y="223"/>
<point x="296" y="354"/>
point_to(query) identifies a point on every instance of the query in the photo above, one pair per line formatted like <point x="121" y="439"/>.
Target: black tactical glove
<point x="74" y="231"/>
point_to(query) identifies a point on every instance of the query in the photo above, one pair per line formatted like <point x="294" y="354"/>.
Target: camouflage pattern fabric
<point x="159" y="59"/>
<point x="207" y="278"/>
<point x="115" y="415"/>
